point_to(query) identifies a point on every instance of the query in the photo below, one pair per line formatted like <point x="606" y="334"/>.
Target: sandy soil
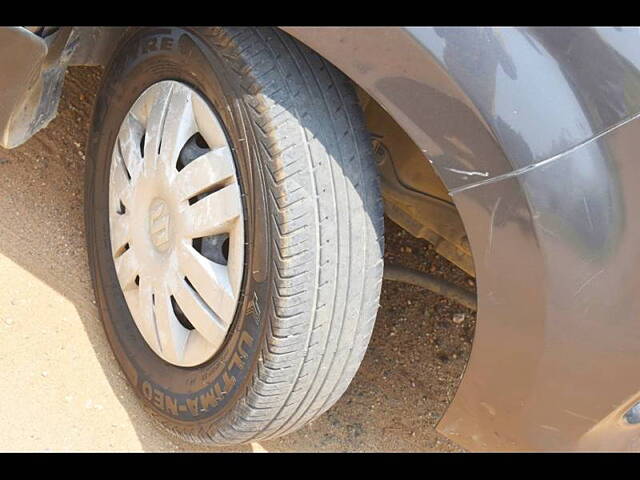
<point x="60" y="386"/>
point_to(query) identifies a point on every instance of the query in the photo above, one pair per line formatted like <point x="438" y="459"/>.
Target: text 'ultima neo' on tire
<point x="234" y="227"/>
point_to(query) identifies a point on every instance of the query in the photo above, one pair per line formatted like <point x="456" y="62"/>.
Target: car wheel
<point x="234" y="228"/>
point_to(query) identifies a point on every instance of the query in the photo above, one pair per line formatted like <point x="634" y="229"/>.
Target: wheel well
<point x="414" y="196"/>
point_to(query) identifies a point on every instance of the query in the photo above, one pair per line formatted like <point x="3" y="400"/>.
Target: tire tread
<point x="327" y="230"/>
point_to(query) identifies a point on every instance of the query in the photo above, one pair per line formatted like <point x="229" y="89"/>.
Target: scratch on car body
<point x="469" y="173"/>
<point x="587" y="282"/>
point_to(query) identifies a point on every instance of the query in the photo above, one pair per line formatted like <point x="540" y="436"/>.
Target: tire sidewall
<point x="206" y="392"/>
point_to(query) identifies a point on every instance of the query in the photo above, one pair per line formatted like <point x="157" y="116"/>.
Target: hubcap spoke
<point x="203" y="319"/>
<point x="127" y="268"/>
<point x="208" y="124"/>
<point x="179" y="125"/>
<point x="140" y="304"/>
<point x="128" y="145"/>
<point x="156" y="122"/>
<point x="214" y="214"/>
<point x="119" y="184"/>
<point x="119" y="235"/>
<point x="210" y="280"/>
<point x="173" y="336"/>
<point x="174" y="197"/>
<point x="210" y="170"/>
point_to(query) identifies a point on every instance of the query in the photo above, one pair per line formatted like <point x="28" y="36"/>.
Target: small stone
<point x="8" y="321"/>
<point x="45" y="374"/>
<point x="458" y="318"/>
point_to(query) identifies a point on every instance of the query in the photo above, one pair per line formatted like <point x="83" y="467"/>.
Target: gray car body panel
<point x="22" y="55"/>
<point x="534" y="133"/>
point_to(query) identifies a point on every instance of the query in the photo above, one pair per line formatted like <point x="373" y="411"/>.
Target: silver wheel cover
<point x="157" y="211"/>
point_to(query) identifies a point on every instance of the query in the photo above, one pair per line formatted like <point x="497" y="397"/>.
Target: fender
<point x="534" y="132"/>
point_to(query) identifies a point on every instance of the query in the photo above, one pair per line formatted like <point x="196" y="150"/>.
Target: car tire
<point x="313" y="231"/>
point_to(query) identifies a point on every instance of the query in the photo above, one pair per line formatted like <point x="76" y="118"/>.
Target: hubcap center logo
<point x="160" y="225"/>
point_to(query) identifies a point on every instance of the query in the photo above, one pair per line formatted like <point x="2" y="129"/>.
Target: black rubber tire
<point x="314" y="226"/>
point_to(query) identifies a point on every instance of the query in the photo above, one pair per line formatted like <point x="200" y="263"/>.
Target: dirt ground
<point x="61" y="388"/>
